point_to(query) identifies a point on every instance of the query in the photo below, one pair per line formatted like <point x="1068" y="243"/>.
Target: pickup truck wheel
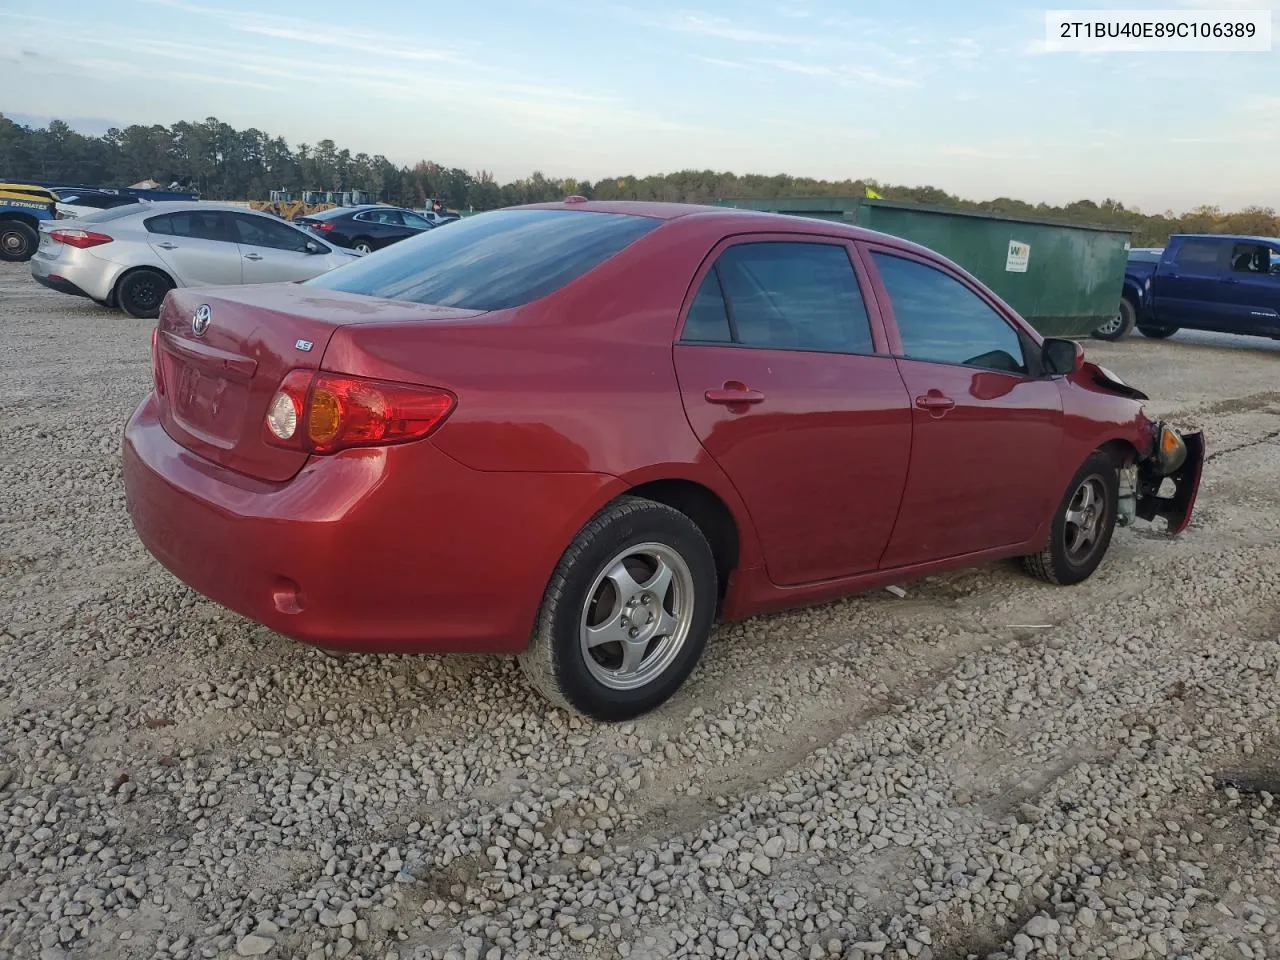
<point x="626" y="614"/>
<point x="1157" y="333"/>
<point x="18" y="241"/>
<point x="1082" y="525"/>
<point x="1119" y="326"/>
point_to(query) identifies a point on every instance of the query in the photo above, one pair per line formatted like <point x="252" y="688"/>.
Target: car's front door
<point x="197" y="246"/>
<point x="987" y="430"/>
<point x="786" y="380"/>
<point x="1188" y="283"/>
<point x="276" y="252"/>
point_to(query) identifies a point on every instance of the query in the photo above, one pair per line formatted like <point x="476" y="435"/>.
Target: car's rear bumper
<point x="77" y="272"/>
<point x="398" y="549"/>
<point x="59" y="283"/>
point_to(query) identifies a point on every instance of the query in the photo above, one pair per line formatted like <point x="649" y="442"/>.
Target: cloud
<point x="845" y="75"/>
<point x="355" y="41"/>
<point x="966" y="152"/>
<point x="720" y="28"/>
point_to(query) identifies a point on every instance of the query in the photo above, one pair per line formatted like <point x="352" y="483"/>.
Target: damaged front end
<point x="1174" y="457"/>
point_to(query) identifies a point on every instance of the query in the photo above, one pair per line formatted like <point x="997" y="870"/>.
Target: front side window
<point x="261" y="232"/>
<point x="413" y="220"/>
<point x="492" y="261"/>
<point x="783" y="295"/>
<point x="1250" y="258"/>
<point x="943" y="321"/>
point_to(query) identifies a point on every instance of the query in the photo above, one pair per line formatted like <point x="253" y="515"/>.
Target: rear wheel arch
<point x="115" y="287"/>
<point x="707" y="510"/>
<point x="23" y="218"/>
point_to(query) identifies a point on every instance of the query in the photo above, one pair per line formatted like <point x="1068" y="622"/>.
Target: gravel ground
<point x="989" y="767"/>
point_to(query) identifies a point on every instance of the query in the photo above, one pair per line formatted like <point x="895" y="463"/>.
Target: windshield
<point x="492" y="261"/>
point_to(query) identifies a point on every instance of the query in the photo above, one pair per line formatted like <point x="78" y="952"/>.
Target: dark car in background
<point x="1223" y="283"/>
<point x="365" y="228"/>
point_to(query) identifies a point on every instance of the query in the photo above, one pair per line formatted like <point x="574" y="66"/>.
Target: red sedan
<point x="579" y="432"/>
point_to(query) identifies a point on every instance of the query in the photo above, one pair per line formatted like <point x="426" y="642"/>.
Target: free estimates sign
<point x="1019" y="255"/>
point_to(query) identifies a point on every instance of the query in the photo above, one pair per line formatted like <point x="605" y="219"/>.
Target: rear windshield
<point x="492" y="261"/>
<point x="330" y="213"/>
<point x="112" y="213"/>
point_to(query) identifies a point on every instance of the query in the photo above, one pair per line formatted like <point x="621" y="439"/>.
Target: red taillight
<point x="79" y="238"/>
<point x="157" y="373"/>
<point x="322" y="227"/>
<point x="327" y="412"/>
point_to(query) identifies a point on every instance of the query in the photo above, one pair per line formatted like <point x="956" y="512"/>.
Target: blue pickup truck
<point x="1218" y="282"/>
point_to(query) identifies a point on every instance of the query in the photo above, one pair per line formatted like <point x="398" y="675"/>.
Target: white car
<point x="131" y="256"/>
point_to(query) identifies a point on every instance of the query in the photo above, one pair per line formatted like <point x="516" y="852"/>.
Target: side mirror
<point x="313" y="247"/>
<point x="1060" y="357"/>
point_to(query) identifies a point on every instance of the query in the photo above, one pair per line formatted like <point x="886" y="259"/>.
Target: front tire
<point x="18" y="241"/>
<point x="1082" y="525"/>
<point x="141" y="293"/>
<point x="627" y="613"/>
<point x="1157" y="333"/>
<point x="1118" y="327"/>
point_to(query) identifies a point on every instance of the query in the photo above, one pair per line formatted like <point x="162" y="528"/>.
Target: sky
<point x="953" y="93"/>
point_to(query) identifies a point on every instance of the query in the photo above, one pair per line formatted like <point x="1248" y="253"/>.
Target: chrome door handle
<point x="167" y="246"/>
<point x="253" y="256"/>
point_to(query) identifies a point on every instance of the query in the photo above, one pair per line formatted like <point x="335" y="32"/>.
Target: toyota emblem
<point x="200" y="319"/>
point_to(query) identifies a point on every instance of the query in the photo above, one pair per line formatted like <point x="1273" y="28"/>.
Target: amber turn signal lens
<point x="325" y="419"/>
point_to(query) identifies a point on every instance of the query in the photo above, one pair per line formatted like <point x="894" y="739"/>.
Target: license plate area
<point x="207" y="404"/>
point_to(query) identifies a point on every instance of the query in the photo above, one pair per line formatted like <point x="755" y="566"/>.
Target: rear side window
<point x="1204" y="254"/>
<point x="782" y="295"/>
<point x="200" y="224"/>
<point x="492" y="261"/>
<point x="942" y="320"/>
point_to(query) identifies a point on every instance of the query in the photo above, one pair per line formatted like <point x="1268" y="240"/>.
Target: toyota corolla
<point x="581" y="432"/>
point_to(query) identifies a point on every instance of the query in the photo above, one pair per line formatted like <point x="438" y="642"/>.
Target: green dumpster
<point x="1063" y="278"/>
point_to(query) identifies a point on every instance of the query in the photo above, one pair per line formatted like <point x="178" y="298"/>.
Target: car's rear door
<point x="197" y="246"/>
<point x="1249" y="301"/>
<point x="985" y="465"/>
<point x="786" y="380"/>
<point x="275" y="252"/>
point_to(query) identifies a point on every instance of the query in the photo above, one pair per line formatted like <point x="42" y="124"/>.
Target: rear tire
<point x="140" y="293"/>
<point x="1082" y="525"/>
<point x="1157" y="333"/>
<point x="362" y="245"/>
<point x="18" y="241"/>
<point x="1119" y="326"/>
<point x="627" y="612"/>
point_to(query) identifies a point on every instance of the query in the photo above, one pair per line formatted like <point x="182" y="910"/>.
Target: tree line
<point x="224" y="163"/>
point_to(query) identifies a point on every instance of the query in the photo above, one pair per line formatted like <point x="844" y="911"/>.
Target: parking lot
<point x="987" y="767"/>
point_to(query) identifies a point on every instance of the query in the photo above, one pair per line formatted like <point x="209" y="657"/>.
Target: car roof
<point x="1233" y="237"/>
<point x="734" y="218"/>
<point x="153" y="207"/>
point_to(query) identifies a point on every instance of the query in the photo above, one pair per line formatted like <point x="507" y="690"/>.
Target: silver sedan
<point x="131" y="256"/>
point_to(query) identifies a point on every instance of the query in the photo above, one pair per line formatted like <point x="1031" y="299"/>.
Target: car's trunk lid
<point x="221" y="367"/>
